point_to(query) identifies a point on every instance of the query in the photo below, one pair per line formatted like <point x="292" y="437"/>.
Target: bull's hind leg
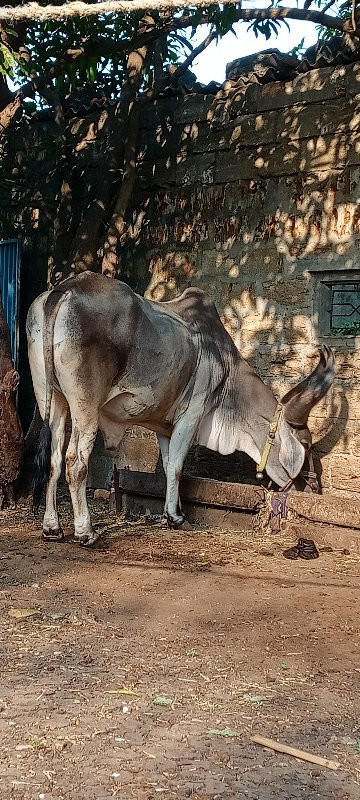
<point x="51" y="528"/>
<point x="77" y="460"/>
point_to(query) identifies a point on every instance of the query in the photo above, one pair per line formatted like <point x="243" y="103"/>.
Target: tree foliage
<point x="131" y="58"/>
<point x="93" y="50"/>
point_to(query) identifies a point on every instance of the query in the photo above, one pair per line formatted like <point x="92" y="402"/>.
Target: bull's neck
<point x="257" y="405"/>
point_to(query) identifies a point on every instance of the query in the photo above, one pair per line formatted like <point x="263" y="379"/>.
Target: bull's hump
<point x="199" y="313"/>
<point x="193" y="306"/>
<point x="191" y="299"/>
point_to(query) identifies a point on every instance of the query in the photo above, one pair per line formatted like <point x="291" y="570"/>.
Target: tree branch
<point x="34" y="11"/>
<point x="100" y="48"/>
<point x="8" y="114"/>
<point x="328" y="5"/>
<point x="354" y="15"/>
<point x="194" y="54"/>
<point x="279" y="13"/>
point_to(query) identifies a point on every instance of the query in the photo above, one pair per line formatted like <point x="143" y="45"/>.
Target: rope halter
<point x="269" y="443"/>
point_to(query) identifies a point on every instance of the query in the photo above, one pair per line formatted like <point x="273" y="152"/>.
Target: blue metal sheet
<point x="10" y="289"/>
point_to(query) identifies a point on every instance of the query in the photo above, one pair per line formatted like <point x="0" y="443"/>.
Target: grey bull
<point x="113" y="359"/>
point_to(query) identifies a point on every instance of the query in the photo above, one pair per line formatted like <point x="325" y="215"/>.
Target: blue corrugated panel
<point x="10" y="289"/>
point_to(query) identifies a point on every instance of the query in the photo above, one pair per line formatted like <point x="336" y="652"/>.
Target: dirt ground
<point x="143" y="651"/>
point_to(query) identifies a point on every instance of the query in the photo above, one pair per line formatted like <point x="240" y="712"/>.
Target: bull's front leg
<point x="164" y="443"/>
<point x="180" y="443"/>
<point x="312" y="483"/>
<point x="77" y="460"/>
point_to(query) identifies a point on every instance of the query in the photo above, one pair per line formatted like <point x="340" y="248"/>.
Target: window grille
<point x="345" y="308"/>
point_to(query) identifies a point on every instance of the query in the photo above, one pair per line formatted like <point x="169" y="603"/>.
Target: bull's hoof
<point x="176" y="522"/>
<point x="53" y="536"/>
<point x="87" y="539"/>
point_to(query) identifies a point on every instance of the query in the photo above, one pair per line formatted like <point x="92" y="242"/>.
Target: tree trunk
<point x="11" y="435"/>
<point x="87" y="240"/>
<point x="5" y="93"/>
<point x="117" y="227"/>
<point x="9" y="114"/>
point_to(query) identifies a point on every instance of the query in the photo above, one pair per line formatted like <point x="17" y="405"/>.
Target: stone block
<point x="193" y="107"/>
<point x="160" y="112"/>
<point x="297" y="327"/>
<point x="289" y="292"/>
<point x="318" y="85"/>
<point x="138" y="451"/>
<point x="196" y="169"/>
<point x="101" y="466"/>
<point x="330" y="152"/>
<point x="354" y="149"/>
<point x="101" y="494"/>
<point x="337" y="538"/>
<point x="251" y="129"/>
<point x="283" y="361"/>
<point x="159" y="142"/>
<point x="334" y="116"/>
<point x="345" y="472"/>
<point x="335" y="436"/>
<point x="258" y="163"/>
<point x="160" y="173"/>
<point x="348" y="364"/>
<point x="353" y="80"/>
<point x="248" y="195"/>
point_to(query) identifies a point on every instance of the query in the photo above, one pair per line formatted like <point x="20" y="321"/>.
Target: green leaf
<point x="254" y="698"/>
<point x="223" y="732"/>
<point x="163" y="701"/>
<point x="7" y="60"/>
<point x="23" y="613"/>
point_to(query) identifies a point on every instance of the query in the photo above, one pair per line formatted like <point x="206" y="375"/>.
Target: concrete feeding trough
<point x="205" y="502"/>
<point x="229" y="505"/>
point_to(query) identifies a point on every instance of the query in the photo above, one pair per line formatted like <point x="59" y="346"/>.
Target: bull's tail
<point x="42" y="460"/>
<point x="42" y="463"/>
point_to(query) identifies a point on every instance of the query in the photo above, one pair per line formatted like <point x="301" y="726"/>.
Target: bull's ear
<point x="292" y="452"/>
<point x="302" y="398"/>
<point x="11" y="380"/>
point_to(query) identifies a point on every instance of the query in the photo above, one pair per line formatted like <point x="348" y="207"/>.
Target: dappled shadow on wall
<point x="270" y="213"/>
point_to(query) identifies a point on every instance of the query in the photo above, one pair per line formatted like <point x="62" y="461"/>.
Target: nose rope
<point x="269" y="443"/>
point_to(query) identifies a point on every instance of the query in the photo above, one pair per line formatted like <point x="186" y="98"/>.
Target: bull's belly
<point x="132" y="408"/>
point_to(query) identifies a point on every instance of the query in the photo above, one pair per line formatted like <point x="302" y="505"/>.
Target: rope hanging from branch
<point x="77" y="8"/>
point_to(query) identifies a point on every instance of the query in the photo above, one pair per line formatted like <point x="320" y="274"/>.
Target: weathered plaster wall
<point x="255" y="197"/>
<point x="252" y="195"/>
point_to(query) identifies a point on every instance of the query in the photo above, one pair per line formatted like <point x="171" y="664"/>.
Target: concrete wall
<point x="255" y="197"/>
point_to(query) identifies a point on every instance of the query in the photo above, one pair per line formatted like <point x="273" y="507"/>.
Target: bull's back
<point x="105" y="336"/>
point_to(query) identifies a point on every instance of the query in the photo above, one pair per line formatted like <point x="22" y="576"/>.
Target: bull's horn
<point x="302" y="398"/>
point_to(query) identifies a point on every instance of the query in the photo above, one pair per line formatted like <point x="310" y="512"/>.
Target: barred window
<point x="345" y="308"/>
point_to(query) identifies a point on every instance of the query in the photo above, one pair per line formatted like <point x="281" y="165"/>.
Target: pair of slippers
<point x="305" y="548"/>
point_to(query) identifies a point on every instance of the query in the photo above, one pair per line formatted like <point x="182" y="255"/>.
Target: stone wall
<point x="251" y="194"/>
<point x="255" y="197"/>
